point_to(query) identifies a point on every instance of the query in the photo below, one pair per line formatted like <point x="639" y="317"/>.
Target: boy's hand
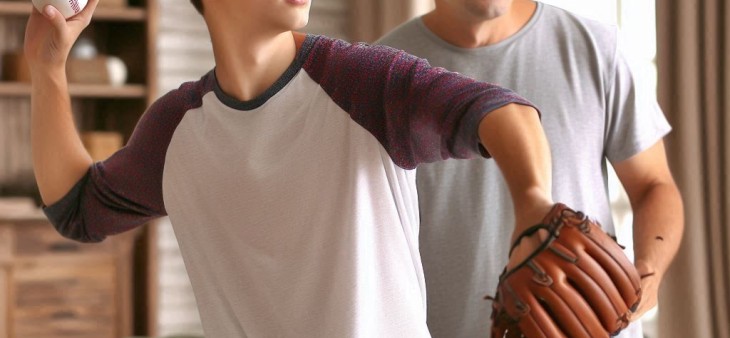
<point x="49" y="37"/>
<point x="577" y="283"/>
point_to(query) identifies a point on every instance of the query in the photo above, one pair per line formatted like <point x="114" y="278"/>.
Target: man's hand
<point x="649" y="287"/>
<point x="49" y="36"/>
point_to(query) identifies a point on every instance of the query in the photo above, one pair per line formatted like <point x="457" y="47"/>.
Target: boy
<point x="285" y="171"/>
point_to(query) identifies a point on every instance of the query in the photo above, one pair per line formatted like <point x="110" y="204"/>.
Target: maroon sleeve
<point x="419" y="113"/>
<point x="125" y="191"/>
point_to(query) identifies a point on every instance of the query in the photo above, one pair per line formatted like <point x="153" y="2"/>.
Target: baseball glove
<point x="578" y="283"/>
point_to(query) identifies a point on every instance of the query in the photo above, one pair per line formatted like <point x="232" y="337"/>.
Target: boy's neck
<point x="249" y="64"/>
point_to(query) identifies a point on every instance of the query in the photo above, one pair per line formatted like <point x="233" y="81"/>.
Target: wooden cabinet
<point x="126" y="33"/>
<point x="49" y="286"/>
<point x="52" y="287"/>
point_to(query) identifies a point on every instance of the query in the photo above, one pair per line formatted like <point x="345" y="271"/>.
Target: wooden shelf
<point x="80" y="90"/>
<point x="18" y="8"/>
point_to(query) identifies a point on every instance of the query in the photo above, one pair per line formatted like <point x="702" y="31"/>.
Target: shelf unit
<point x="102" y="13"/>
<point x="127" y="32"/>
<point x="16" y="89"/>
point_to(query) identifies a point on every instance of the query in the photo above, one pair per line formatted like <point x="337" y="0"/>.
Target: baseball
<point x="68" y="8"/>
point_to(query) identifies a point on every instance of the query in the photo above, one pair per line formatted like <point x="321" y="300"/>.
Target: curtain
<point x="694" y="91"/>
<point x="371" y="19"/>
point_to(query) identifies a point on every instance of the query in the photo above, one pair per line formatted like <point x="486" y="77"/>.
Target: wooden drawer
<point x="64" y="299"/>
<point x="52" y="287"/>
<point x="65" y="322"/>
<point x="40" y="238"/>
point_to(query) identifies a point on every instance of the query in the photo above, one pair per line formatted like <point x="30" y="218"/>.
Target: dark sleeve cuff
<point x="478" y="120"/>
<point x="67" y="217"/>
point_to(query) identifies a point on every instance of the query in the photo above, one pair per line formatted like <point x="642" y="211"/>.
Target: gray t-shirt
<point x="592" y="110"/>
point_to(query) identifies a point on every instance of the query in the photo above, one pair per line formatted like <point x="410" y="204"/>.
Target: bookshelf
<point x="116" y="272"/>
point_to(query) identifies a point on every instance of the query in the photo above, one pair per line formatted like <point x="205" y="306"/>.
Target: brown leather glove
<point x="578" y="283"/>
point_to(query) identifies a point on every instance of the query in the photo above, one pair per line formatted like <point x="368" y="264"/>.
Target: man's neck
<point x="248" y="64"/>
<point x="465" y="33"/>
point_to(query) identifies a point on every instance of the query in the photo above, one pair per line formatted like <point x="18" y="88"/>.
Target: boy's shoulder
<point x="188" y="96"/>
<point x="328" y="53"/>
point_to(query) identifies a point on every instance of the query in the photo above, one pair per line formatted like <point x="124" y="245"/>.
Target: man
<point x="285" y="170"/>
<point x="591" y="111"/>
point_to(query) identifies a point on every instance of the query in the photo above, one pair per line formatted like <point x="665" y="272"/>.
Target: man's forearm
<point x="658" y="227"/>
<point x="59" y="157"/>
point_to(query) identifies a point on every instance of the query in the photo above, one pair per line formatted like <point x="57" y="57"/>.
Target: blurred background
<point x="137" y="50"/>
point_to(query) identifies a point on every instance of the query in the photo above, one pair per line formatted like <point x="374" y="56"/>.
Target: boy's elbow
<point x="76" y="230"/>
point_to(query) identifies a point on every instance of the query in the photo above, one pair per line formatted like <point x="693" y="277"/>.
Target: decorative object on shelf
<point x="102" y="69"/>
<point x="117" y="71"/>
<point x="84" y="48"/>
<point x="87" y="71"/>
<point x="84" y="66"/>
<point x="68" y="8"/>
<point x="97" y="69"/>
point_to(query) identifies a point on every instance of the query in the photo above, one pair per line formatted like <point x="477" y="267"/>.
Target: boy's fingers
<point x="54" y="16"/>
<point x="87" y="12"/>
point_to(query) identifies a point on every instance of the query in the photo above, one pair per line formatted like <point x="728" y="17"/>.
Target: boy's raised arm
<point x="59" y="157"/>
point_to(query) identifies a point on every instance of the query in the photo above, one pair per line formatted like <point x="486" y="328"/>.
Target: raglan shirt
<point x="296" y="212"/>
<point x="592" y="110"/>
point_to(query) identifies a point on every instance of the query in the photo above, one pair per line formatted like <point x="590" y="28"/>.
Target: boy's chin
<point x="302" y="24"/>
<point x="298" y="24"/>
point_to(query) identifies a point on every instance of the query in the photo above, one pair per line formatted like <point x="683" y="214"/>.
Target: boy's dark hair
<point x="198" y="5"/>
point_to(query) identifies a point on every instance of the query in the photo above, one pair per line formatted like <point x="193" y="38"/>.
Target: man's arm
<point x="59" y="157"/>
<point x="658" y="217"/>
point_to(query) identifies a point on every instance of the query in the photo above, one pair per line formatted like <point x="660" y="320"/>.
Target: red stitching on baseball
<point x="74" y="5"/>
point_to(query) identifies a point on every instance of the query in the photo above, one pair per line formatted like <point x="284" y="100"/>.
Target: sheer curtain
<point x="694" y="90"/>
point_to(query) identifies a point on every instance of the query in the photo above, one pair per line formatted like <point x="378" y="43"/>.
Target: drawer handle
<point x="63" y="315"/>
<point x="64" y="247"/>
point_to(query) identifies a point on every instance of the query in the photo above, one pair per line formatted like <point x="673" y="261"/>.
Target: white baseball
<point x="68" y="8"/>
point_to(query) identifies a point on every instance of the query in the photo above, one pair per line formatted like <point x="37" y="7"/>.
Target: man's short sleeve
<point x="635" y="121"/>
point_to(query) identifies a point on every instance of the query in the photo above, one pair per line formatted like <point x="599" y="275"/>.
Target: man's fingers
<point x="643" y="308"/>
<point x="650" y="289"/>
